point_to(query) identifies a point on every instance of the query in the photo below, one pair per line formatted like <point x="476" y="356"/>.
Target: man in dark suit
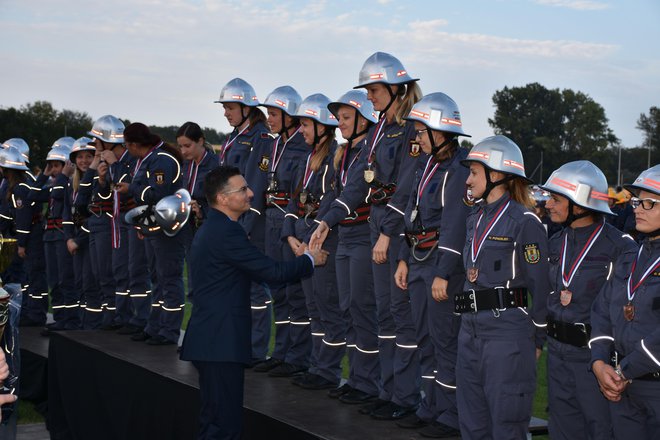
<point x="222" y="265"/>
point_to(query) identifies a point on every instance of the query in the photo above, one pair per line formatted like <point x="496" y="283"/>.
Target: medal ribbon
<point x="480" y="242"/>
<point x="375" y="139"/>
<point x="229" y="143"/>
<point x="138" y="164"/>
<point x="343" y="175"/>
<point x="276" y="158"/>
<point x="566" y="279"/>
<point x="116" y="236"/>
<point x="308" y="171"/>
<point x="631" y="290"/>
<point x="192" y="172"/>
<point x="426" y="178"/>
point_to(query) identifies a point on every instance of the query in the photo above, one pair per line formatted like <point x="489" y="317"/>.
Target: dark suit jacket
<point x="222" y="265"/>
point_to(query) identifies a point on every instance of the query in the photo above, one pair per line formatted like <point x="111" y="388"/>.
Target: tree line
<point x="40" y="125"/>
<point x="551" y="126"/>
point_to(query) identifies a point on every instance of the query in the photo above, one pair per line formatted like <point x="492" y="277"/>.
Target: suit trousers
<point x="221" y="400"/>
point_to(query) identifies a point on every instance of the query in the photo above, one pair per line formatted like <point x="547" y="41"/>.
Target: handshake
<point x="319" y="255"/>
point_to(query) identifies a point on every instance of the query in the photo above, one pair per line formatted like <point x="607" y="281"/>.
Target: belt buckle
<point x="500" y="298"/>
<point x="473" y="297"/>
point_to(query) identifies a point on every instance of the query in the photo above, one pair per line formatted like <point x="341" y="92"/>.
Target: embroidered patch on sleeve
<point x="532" y="253"/>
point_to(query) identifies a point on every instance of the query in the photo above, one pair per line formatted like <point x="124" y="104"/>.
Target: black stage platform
<point x="103" y="386"/>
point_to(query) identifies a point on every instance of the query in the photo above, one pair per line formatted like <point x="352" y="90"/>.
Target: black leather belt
<point x="573" y="334"/>
<point x="489" y="299"/>
<point x="616" y="359"/>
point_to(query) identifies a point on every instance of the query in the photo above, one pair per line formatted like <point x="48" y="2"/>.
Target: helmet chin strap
<point x="434" y="148"/>
<point x="572" y="216"/>
<point x="317" y="138"/>
<point x="392" y="99"/>
<point x="356" y="134"/>
<point x="243" y="117"/>
<point x="285" y="128"/>
<point x="490" y="184"/>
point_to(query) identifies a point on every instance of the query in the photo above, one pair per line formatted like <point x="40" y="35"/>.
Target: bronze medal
<point x="303" y="196"/>
<point x="565" y="297"/>
<point x="629" y="311"/>
<point x="472" y="274"/>
<point x="369" y="175"/>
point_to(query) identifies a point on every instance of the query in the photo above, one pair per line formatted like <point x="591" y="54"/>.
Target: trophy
<point x="8" y="328"/>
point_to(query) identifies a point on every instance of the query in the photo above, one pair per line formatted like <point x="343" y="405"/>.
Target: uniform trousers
<point x="437" y="339"/>
<point x="637" y="415"/>
<point x="167" y="255"/>
<point x="495" y="374"/>
<point x="577" y="407"/>
<point x="59" y="271"/>
<point x="356" y="294"/>
<point x="35" y="297"/>
<point x="397" y="344"/>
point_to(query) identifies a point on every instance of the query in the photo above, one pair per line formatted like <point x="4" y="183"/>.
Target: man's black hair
<point x="216" y="181"/>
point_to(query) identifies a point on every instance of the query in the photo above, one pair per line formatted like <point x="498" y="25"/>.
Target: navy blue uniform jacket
<point x="223" y="263"/>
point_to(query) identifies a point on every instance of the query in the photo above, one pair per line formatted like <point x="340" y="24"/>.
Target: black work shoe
<point x="111" y="327"/>
<point x="412" y="422"/>
<point x="140" y="337"/>
<point x="159" y="340"/>
<point x="129" y="329"/>
<point x="340" y="391"/>
<point x="355" y="397"/>
<point x="317" y="382"/>
<point x="439" y="430"/>
<point x="302" y="378"/>
<point x="393" y="412"/>
<point x="267" y="365"/>
<point x="373" y="406"/>
<point x="286" y="369"/>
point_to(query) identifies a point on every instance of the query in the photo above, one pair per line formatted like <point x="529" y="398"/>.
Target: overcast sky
<point x="163" y="62"/>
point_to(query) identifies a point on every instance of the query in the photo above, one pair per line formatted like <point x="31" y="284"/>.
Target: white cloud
<point x="580" y="5"/>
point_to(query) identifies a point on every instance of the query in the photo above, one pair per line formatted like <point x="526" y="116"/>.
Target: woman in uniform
<point x="349" y="212"/>
<point x="240" y="104"/>
<point x="430" y="267"/>
<point x="77" y="236"/>
<point x="157" y="174"/>
<point x="312" y="184"/>
<point x="198" y="160"/>
<point x="105" y="232"/>
<point x="284" y="154"/>
<point x="505" y="259"/>
<point x="389" y="161"/>
<point x="50" y="188"/>
<point x="582" y="256"/>
<point x="24" y="218"/>
<point x="625" y="319"/>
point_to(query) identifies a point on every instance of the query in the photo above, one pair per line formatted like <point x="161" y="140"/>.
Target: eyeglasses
<point x="647" y="204"/>
<point x="242" y="189"/>
<point x="418" y="133"/>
